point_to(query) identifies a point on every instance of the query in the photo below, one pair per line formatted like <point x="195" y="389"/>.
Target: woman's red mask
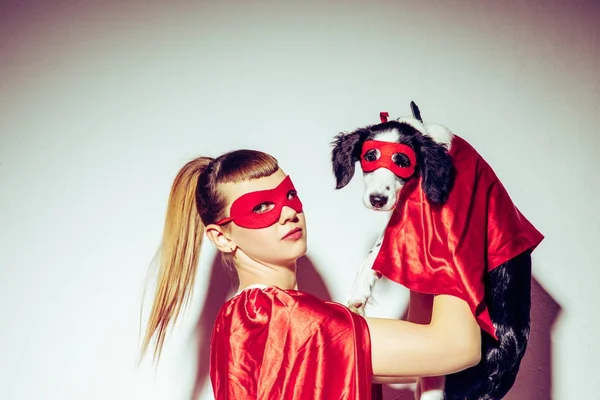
<point x="245" y="210"/>
<point x="386" y="152"/>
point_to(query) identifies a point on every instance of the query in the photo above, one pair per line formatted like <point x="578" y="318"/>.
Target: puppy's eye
<point x="291" y="194"/>
<point x="401" y="160"/>
<point x="263" y="208"/>
<point x="372" y="155"/>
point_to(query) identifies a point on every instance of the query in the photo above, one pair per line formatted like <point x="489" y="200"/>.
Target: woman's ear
<point x="437" y="170"/>
<point x="221" y="241"/>
<point x="345" y="153"/>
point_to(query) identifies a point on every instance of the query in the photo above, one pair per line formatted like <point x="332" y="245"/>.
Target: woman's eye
<point x="371" y="155"/>
<point x="263" y="208"/>
<point x="291" y="194"/>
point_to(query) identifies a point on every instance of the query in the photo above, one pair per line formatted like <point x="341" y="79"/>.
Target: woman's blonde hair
<point x="194" y="202"/>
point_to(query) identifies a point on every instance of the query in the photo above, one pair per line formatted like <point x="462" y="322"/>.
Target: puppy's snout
<point x="378" y="200"/>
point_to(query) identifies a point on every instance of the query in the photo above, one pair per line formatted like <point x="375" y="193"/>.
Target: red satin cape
<point x="446" y="250"/>
<point x="288" y="345"/>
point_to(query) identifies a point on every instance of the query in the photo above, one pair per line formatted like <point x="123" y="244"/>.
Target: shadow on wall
<point x="534" y="380"/>
<point x="221" y="286"/>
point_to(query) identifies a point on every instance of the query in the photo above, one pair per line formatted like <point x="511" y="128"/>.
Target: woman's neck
<point x="282" y="277"/>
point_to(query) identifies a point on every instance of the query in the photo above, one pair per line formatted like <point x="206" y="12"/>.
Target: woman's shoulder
<point x="290" y="299"/>
<point x="262" y="298"/>
<point x="259" y="304"/>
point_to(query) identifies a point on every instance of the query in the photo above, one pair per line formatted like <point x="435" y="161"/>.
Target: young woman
<point x="271" y="341"/>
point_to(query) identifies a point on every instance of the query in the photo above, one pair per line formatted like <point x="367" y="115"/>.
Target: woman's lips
<point x="294" y="234"/>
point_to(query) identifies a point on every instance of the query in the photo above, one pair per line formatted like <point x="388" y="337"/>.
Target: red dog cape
<point x="288" y="345"/>
<point x="447" y="249"/>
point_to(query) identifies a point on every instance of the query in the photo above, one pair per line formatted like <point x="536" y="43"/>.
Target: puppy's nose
<point x="377" y="200"/>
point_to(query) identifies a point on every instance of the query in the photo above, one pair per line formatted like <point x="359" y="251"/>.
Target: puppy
<point x="453" y="230"/>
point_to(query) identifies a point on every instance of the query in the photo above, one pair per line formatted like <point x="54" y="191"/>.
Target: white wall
<point x="100" y="105"/>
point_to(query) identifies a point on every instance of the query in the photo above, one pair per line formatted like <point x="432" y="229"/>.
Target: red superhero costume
<point x="447" y="249"/>
<point x="276" y="344"/>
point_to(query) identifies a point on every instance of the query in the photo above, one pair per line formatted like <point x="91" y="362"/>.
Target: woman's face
<point x="279" y="244"/>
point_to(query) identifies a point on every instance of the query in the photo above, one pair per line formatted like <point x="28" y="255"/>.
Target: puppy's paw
<point x="430" y="388"/>
<point x="361" y="291"/>
<point x="364" y="282"/>
<point x="357" y="308"/>
<point x="437" y="394"/>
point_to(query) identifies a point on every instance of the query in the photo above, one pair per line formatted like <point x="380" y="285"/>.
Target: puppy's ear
<point x="415" y="111"/>
<point x="437" y="170"/>
<point x="345" y="153"/>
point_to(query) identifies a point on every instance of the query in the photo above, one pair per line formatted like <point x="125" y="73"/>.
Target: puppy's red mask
<point x="261" y="209"/>
<point x="370" y="162"/>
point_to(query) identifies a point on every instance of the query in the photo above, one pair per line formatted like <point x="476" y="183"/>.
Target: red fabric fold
<point x="447" y="250"/>
<point x="288" y="345"/>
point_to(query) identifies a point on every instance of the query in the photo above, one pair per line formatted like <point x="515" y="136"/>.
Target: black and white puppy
<point x="507" y="287"/>
<point x="431" y="144"/>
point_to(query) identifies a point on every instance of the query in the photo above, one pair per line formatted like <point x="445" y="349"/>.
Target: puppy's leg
<point x="419" y="312"/>
<point x="364" y="281"/>
<point x="430" y="388"/>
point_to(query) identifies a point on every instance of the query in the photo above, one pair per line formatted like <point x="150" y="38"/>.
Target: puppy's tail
<point x="508" y="296"/>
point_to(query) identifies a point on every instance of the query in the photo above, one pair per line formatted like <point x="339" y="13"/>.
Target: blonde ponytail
<point x="178" y="255"/>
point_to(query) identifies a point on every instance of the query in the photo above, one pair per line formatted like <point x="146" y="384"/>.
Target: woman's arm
<point x="450" y="343"/>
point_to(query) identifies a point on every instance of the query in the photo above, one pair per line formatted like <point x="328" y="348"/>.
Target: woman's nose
<point x="287" y="214"/>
